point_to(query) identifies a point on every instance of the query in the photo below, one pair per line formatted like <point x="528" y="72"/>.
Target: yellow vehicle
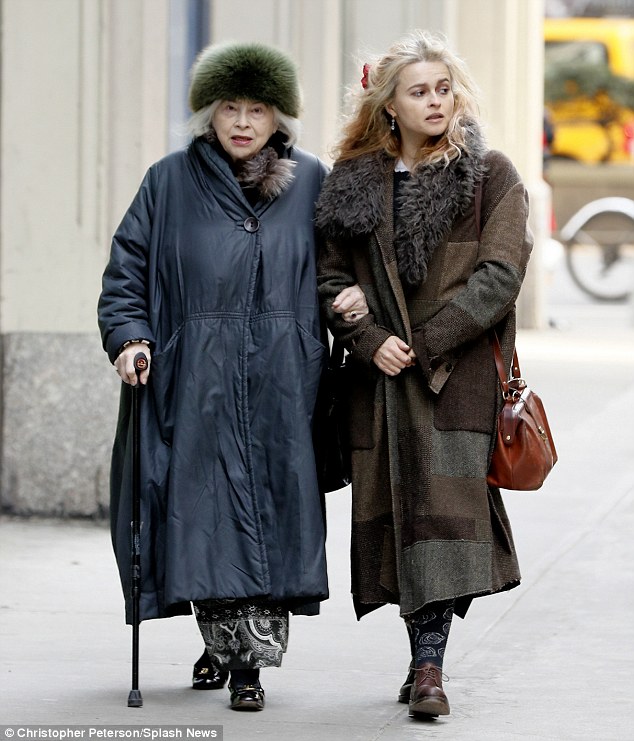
<point x="586" y="61"/>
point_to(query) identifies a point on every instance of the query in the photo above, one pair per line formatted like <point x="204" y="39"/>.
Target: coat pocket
<point x="313" y="358"/>
<point x="164" y="373"/>
<point x="468" y="399"/>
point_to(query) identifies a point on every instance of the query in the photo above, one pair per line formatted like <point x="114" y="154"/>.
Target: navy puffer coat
<point x="226" y="294"/>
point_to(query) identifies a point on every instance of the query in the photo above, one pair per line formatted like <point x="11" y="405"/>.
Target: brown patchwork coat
<point x="426" y="526"/>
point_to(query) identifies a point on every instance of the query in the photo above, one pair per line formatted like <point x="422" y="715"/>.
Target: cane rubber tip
<point x="134" y="699"/>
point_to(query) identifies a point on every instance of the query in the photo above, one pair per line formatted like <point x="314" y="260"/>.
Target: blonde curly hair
<point x="368" y="128"/>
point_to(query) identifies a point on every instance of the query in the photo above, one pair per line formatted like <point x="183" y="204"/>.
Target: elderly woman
<point x="402" y="217"/>
<point x="212" y="274"/>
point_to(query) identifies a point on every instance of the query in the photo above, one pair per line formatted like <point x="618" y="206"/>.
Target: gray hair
<point x="199" y="123"/>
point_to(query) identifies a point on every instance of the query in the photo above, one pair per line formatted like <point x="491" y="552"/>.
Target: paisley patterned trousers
<point x="243" y="635"/>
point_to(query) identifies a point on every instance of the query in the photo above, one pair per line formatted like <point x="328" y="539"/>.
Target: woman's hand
<point x="351" y="304"/>
<point x="124" y="364"/>
<point x="393" y="356"/>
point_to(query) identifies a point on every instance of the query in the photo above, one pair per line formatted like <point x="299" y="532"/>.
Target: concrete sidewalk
<point x="550" y="660"/>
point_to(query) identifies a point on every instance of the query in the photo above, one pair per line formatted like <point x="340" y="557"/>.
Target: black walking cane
<point x="135" y="700"/>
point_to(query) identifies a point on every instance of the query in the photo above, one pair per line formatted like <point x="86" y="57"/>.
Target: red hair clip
<point x="364" y="79"/>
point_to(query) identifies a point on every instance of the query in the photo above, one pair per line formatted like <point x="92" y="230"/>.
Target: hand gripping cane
<point x="134" y="698"/>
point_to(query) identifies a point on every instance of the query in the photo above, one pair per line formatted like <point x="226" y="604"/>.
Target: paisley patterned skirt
<point x="243" y="635"/>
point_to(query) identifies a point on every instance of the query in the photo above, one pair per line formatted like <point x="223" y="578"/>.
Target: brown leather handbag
<point x="524" y="452"/>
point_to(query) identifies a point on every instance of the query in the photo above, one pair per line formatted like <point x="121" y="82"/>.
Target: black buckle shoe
<point x="247" y="697"/>
<point x="207" y="677"/>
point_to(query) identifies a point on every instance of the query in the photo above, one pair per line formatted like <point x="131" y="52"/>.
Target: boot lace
<point x="433" y="673"/>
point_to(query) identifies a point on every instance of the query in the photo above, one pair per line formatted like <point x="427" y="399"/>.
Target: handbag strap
<point x="478" y="208"/>
<point x="515" y="373"/>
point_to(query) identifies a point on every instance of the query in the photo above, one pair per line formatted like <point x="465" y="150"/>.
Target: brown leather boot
<point x="406" y="688"/>
<point x="427" y="695"/>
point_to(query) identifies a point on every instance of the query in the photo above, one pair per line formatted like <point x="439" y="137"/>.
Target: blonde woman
<point x="399" y="215"/>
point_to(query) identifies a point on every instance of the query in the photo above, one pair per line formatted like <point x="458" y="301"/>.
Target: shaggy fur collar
<point x="268" y="172"/>
<point x="353" y="202"/>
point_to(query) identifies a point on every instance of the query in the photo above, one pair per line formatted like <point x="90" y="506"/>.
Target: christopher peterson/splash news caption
<point x="32" y="732"/>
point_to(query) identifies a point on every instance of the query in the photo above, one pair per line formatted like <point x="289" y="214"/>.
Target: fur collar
<point x="353" y="202"/>
<point x="269" y="172"/>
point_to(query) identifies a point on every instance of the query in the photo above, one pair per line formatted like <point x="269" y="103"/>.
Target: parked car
<point x="589" y="88"/>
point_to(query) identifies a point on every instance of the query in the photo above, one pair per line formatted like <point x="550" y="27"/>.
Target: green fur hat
<point x="251" y="71"/>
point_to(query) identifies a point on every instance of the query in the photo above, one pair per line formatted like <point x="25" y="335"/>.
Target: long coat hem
<point x="462" y="602"/>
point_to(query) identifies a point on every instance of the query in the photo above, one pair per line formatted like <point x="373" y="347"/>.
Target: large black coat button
<point x="251" y="224"/>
